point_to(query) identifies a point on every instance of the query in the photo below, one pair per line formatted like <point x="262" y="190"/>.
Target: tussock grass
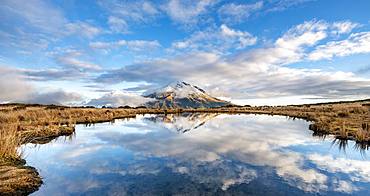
<point x="9" y="140"/>
<point x="18" y="180"/>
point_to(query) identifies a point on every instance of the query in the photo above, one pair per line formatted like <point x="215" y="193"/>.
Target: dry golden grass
<point x="9" y="140"/>
<point x="18" y="180"/>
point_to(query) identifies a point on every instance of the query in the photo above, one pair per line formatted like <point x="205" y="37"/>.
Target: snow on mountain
<point x="180" y="89"/>
<point x="184" y="95"/>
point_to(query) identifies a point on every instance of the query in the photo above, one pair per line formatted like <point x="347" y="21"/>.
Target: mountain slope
<point x="183" y="95"/>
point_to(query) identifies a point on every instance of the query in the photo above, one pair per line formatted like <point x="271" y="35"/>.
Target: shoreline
<point x="20" y="124"/>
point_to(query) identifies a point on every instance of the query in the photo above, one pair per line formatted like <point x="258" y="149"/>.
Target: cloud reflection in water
<point x="206" y="153"/>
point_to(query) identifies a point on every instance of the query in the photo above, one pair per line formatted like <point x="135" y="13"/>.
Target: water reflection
<point x="183" y="122"/>
<point x="200" y="154"/>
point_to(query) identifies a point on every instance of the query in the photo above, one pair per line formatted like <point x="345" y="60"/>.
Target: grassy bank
<point x="21" y="124"/>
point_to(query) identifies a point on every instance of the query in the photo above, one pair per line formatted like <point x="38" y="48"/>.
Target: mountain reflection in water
<point x="183" y="122"/>
<point x="199" y="154"/>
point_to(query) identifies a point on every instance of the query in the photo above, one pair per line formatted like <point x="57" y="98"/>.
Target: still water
<point x="200" y="154"/>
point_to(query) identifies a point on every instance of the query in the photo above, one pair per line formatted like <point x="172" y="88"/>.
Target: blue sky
<point x="249" y="52"/>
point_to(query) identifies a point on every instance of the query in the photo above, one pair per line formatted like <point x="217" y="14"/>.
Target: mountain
<point x="183" y="95"/>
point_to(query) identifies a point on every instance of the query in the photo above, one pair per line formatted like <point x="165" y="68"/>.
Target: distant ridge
<point x="183" y="95"/>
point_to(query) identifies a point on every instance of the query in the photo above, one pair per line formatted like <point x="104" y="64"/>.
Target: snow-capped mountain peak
<point x="181" y="89"/>
<point x="185" y="95"/>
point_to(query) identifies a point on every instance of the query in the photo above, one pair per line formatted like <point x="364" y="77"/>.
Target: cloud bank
<point x="257" y="73"/>
<point x="15" y="88"/>
<point x="119" y="98"/>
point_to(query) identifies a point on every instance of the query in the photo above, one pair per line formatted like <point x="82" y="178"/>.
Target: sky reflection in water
<point x="199" y="153"/>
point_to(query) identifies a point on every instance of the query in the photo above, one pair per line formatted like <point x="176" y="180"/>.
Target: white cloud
<point x="117" y="25"/>
<point x="356" y="43"/>
<point x="133" y="45"/>
<point x="33" y="27"/>
<point x="232" y="12"/>
<point x="190" y="13"/>
<point x="356" y="170"/>
<point x="12" y="85"/>
<point x="216" y="40"/>
<point x="82" y="28"/>
<point x="141" y="11"/>
<point x="102" y="45"/>
<point x="245" y="39"/>
<point x="59" y="97"/>
<point x="52" y="74"/>
<point x="82" y="151"/>
<point x="46" y="18"/>
<point x="289" y="48"/>
<point x="25" y="41"/>
<point x="15" y="88"/>
<point x="119" y="98"/>
<point x="149" y="8"/>
<point x="305" y="34"/>
<point x="137" y="45"/>
<point x="343" y="27"/>
<point x="36" y="13"/>
<point x="345" y="187"/>
<point x="187" y="12"/>
<point x="301" y="99"/>
<point x="280" y="5"/>
<point x="71" y="60"/>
